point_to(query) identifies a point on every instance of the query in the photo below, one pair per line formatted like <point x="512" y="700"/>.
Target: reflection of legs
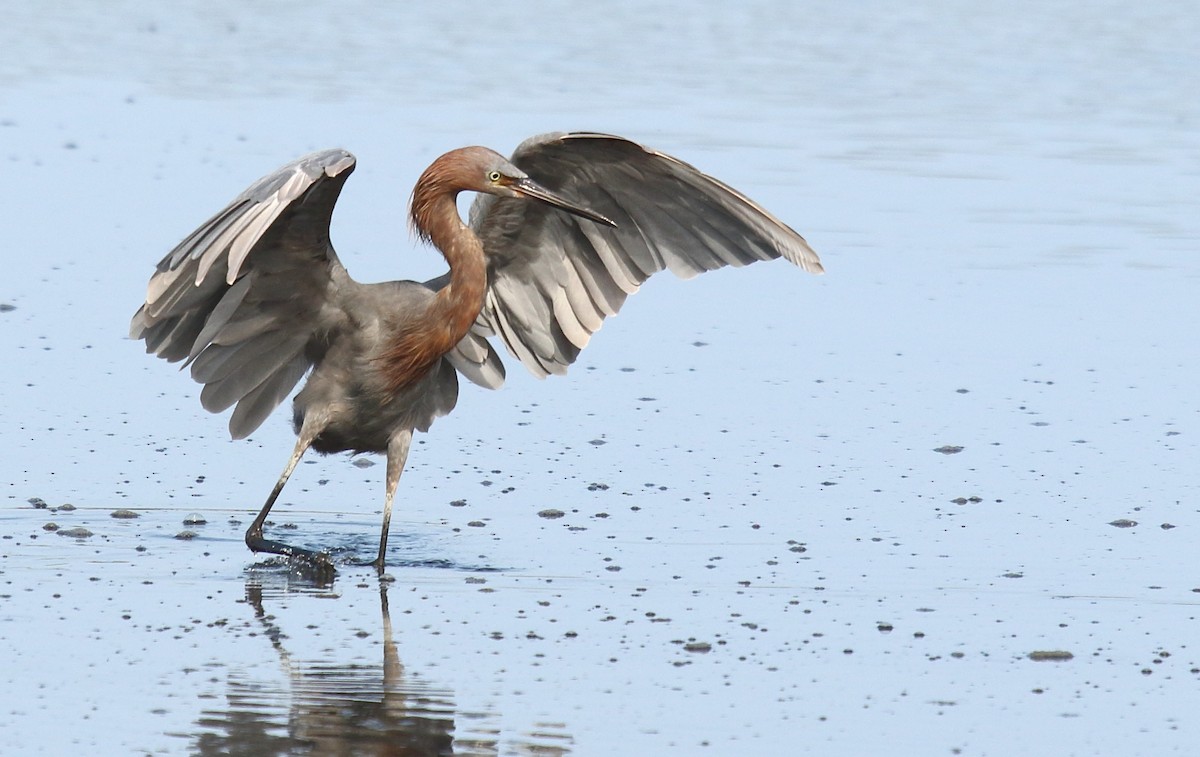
<point x="254" y="534"/>
<point x="397" y="455"/>
<point x="393" y="670"/>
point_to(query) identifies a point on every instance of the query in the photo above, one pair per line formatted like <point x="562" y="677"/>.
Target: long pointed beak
<point x="530" y="188"/>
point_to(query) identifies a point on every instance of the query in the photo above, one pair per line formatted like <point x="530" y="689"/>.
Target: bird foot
<point x="320" y="562"/>
<point x="377" y="564"/>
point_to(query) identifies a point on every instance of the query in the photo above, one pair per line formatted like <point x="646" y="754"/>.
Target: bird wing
<point x="250" y="296"/>
<point x="555" y="277"/>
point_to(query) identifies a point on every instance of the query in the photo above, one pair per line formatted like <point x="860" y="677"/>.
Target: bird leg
<point x="254" y="535"/>
<point x="397" y="455"/>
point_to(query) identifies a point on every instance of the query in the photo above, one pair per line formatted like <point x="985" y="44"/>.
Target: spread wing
<point x="554" y="277"/>
<point x="243" y="297"/>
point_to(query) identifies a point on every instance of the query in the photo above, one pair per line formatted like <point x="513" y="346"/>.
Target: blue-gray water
<point x="1004" y="197"/>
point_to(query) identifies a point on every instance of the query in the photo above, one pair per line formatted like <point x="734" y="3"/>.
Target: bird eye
<point x="493" y="176"/>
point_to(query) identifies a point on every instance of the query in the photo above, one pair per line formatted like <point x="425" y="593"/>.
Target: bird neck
<point x="419" y="345"/>
<point x="457" y="304"/>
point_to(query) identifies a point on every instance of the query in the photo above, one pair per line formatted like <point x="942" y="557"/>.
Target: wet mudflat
<point x="941" y="500"/>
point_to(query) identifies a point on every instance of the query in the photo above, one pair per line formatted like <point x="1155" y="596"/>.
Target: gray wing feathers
<point x="475" y="359"/>
<point x="245" y="296"/>
<point x="228" y="373"/>
<point x="253" y="408"/>
<point x="220" y="316"/>
<point x="555" y="277"/>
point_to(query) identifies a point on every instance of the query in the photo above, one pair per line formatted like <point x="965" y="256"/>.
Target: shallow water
<point x="762" y="550"/>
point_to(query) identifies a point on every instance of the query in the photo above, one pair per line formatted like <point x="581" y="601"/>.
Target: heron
<point x="559" y="235"/>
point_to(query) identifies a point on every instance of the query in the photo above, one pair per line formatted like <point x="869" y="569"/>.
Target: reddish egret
<point x="558" y="237"/>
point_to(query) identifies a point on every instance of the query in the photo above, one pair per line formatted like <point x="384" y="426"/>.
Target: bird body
<point x="351" y="386"/>
<point x="559" y="236"/>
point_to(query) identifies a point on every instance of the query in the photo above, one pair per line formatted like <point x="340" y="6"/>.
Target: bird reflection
<point x="333" y="709"/>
